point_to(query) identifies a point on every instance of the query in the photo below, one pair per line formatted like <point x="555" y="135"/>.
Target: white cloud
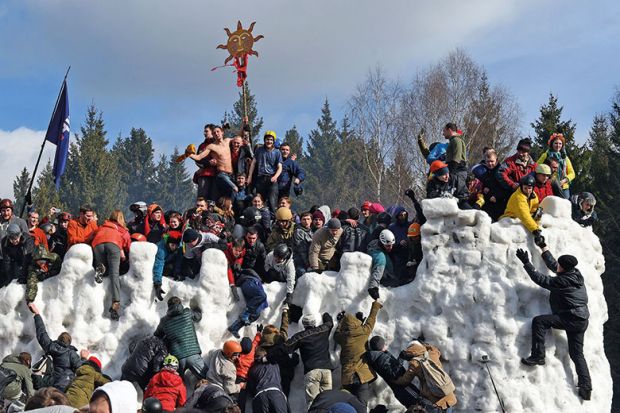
<point x="19" y="148"/>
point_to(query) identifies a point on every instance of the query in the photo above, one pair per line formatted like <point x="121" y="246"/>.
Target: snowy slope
<point x="471" y="297"/>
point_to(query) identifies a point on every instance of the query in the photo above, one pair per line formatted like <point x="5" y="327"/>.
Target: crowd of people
<point x="244" y="207"/>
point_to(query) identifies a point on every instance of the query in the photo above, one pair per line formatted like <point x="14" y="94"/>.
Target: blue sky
<point x="146" y="63"/>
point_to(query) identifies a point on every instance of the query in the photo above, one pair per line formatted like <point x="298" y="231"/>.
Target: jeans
<point x="207" y="187"/>
<point x="196" y="364"/>
<point x="317" y="381"/>
<point x="225" y="184"/>
<point x="109" y="254"/>
<point x="575" y="329"/>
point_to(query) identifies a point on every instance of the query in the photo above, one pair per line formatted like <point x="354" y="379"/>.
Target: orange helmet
<point x="414" y="230"/>
<point x="137" y="237"/>
<point x="437" y="165"/>
<point x="230" y="348"/>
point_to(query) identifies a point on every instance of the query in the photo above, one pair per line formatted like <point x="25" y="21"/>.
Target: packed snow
<point x="471" y="297"/>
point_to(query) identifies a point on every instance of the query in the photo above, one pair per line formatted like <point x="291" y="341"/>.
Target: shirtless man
<point x="221" y="151"/>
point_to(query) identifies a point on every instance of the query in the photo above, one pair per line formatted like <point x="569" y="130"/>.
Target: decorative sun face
<point x="240" y="42"/>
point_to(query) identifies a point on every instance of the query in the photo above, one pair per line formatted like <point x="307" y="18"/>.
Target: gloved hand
<point x="404" y="355"/>
<point x="340" y="315"/>
<point x="409" y="193"/>
<point x="539" y="240"/>
<point x="159" y="293"/>
<point x="421" y="135"/>
<point x="259" y="328"/>
<point x="327" y="317"/>
<point x="289" y="297"/>
<point x="523" y="256"/>
<point x="235" y="294"/>
<point x="374" y="293"/>
<point x="360" y="316"/>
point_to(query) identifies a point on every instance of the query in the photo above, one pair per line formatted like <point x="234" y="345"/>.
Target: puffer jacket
<point x="568" y="290"/>
<point x="245" y="361"/>
<point x="112" y="232"/>
<point x="521" y="206"/>
<point x="144" y="361"/>
<point x="177" y="329"/>
<point x="87" y="378"/>
<point x="352" y="336"/>
<point x="301" y="246"/>
<point x="64" y="358"/>
<point x="167" y="386"/>
<point x="23" y="379"/>
<point x="418" y="349"/>
<point x="352" y="237"/>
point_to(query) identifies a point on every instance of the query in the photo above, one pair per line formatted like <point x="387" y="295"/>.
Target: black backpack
<point x="7" y="376"/>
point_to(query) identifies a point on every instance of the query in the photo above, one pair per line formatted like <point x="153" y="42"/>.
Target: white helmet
<point x="387" y="237"/>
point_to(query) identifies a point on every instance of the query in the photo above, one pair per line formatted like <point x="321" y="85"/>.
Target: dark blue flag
<point x="58" y="133"/>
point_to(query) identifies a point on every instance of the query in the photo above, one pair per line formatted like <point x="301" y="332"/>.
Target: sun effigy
<point x="240" y="42"/>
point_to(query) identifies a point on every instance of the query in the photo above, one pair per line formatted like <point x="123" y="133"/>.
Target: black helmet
<point x="282" y="252"/>
<point x="151" y="405"/>
<point x="528" y="180"/>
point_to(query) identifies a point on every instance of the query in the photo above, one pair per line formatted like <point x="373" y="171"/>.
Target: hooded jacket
<point x="352" y="336"/>
<point x="521" y="206"/>
<point x="122" y="395"/>
<point x="78" y="233"/>
<point x="399" y="228"/>
<point x="154" y="230"/>
<point x="145" y="359"/>
<point x="87" y="377"/>
<point x="167" y="386"/>
<point x="177" y="330"/>
<point x="64" y="357"/>
<point x="568" y="290"/>
<point x="281" y="236"/>
<point x="352" y="237"/>
<point x="23" y="379"/>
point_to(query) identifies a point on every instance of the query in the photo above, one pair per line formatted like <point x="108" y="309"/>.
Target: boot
<point x="99" y="271"/>
<point x="584" y="393"/>
<point x="115" y="311"/>
<point x="533" y="361"/>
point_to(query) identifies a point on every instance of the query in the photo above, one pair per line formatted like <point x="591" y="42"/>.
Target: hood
<point x="351" y="325"/>
<point x="166" y="378"/>
<point x="123" y="396"/>
<point x="175" y="310"/>
<point x="11" y="358"/>
<point x="326" y="212"/>
<point x="54" y="409"/>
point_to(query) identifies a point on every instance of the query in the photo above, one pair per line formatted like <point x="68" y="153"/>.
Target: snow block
<point x="556" y="207"/>
<point x="468" y="300"/>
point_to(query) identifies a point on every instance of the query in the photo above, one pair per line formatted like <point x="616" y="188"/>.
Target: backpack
<point x="7" y="376"/>
<point x="437" y="380"/>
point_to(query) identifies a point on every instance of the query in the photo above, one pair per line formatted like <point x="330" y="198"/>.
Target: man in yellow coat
<point x="523" y="204"/>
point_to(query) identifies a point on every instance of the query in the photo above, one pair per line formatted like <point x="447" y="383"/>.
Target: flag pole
<point x="28" y="197"/>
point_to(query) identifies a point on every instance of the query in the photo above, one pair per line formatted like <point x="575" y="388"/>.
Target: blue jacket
<point x="382" y="268"/>
<point x="437" y="152"/>
<point x="290" y="170"/>
<point x="164" y="256"/>
<point x="399" y="229"/>
<point x="252" y="289"/>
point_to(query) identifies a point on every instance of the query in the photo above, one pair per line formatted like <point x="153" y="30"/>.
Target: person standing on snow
<point x="456" y="157"/>
<point x="267" y="163"/>
<point x="523" y="204"/>
<point x="352" y="334"/>
<point x="265" y="385"/>
<point x="292" y="174"/>
<point x="382" y="270"/>
<point x="569" y="312"/>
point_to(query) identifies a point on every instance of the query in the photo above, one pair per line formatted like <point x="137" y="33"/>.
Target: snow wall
<point x="471" y="297"/>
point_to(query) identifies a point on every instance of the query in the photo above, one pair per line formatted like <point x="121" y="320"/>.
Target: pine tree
<point x="356" y="175"/>
<point x="550" y="122"/>
<point x="235" y="118"/>
<point x="296" y="142"/>
<point x="20" y="188"/>
<point x="45" y="196"/>
<point x="176" y="190"/>
<point x="135" y="160"/>
<point x="92" y="175"/>
<point x="398" y="178"/>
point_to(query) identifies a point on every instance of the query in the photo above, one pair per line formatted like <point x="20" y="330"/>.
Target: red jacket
<point x="232" y="261"/>
<point x="39" y="237"/>
<point x="112" y="232"/>
<point x="512" y="170"/>
<point x="543" y="190"/>
<point x="168" y="387"/>
<point x="78" y="233"/>
<point x="247" y="360"/>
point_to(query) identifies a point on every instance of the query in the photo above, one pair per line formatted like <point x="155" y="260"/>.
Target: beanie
<point x="366" y="205"/>
<point x="334" y="223"/>
<point x="190" y="235"/>
<point x="246" y="345"/>
<point x="341" y="408"/>
<point x="568" y="262"/>
<point x="95" y="360"/>
<point x="318" y="214"/>
<point x="310" y="320"/>
<point x="377" y="343"/>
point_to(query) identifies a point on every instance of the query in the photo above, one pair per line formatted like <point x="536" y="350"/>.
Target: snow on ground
<point x="471" y="297"/>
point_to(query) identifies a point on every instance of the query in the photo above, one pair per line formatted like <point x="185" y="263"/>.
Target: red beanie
<point x="95" y="360"/>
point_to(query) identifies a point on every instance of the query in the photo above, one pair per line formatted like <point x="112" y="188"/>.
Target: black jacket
<point x="263" y="375"/>
<point x="254" y="257"/>
<point x="177" y="329"/>
<point x="390" y="368"/>
<point x="328" y="398"/>
<point x="568" y="291"/>
<point x="351" y="238"/>
<point x="64" y="358"/>
<point x="313" y="345"/>
<point x="144" y="361"/>
<point x="212" y="398"/>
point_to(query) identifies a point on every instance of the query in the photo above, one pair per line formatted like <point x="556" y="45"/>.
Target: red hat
<point x="136" y="236"/>
<point x="555" y="137"/>
<point x="95" y="360"/>
<point x="376" y="208"/>
<point x="318" y="214"/>
<point x="366" y="205"/>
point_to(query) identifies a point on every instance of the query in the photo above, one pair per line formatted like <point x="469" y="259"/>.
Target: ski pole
<point x="485" y="361"/>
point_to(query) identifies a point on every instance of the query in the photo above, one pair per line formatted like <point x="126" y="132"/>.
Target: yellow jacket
<point x="568" y="172"/>
<point x="519" y="206"/>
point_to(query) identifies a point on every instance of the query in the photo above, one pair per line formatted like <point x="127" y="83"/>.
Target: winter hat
<point x="377" y="343"/>
<point x="95" y="360"/>
<point x="318" y="214"/>
<point x="334" y="223"/>
<point x="376" y="208"/>
<point x="413" y="230"/>
<point x="190" y="235"/>
<point x="310" y="320"/>
<point x="555" y="137"/>
<point x="122" y="395"/>
<point x="341" y="408"/>
<point x="366" y="205"/>
<point x="246" y="345"/>
<point x="439" y="168"/>
<point x="384" y="218"/>
<point x="568" y="262"/>
<point x="544" y="169"/>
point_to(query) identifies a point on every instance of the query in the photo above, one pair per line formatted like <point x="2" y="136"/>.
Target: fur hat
<point x="310" y="320"/>
<point x="568" y="262"/>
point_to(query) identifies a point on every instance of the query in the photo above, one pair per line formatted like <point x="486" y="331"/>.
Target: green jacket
<point x="87" y="378"/>
<point x="23" y="381"/>
<point x="352" y="336"/>
<point x="177" y="330"/>
<point x="456" y="152"/>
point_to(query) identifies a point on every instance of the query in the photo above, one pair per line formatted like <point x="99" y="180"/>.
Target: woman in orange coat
<point x="111" y="245"/>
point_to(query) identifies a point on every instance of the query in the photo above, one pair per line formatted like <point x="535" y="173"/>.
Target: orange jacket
<point x="78" y="233"/>
<point x="247" y="360"/>
<point x="112" y="232"/>
<point x="39" y="237"/>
